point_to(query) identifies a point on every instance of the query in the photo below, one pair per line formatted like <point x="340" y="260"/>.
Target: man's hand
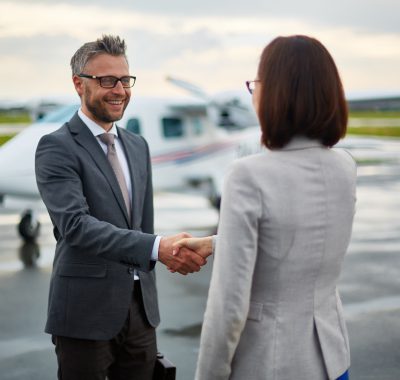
<point x="185" y="261"/>
<point x="202" y="246"/>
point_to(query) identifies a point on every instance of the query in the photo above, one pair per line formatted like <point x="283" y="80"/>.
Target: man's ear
<point x="78" y="83"/>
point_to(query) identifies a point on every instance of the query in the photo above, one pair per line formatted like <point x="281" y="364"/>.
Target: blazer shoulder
<point x="246" y="170"/>
<point x="249" y="161"/>
<point x="56" y="146"/>
<point x="59" y="135"/>
<point x="346" y="157"/>
<point x="253" y="163"/>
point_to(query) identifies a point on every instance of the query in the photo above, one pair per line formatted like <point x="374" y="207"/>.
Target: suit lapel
<point x="85" y="138"/>
<point x="132" y="159"/>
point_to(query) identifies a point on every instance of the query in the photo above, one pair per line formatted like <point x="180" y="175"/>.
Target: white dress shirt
<point x="97" y="130"/>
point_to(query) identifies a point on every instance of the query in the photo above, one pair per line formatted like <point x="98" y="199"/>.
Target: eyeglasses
<point x="251" y="85"/>
<point x="110" y="81"/>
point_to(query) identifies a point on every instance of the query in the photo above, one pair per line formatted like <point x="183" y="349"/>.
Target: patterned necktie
<point x="108" y="139"/>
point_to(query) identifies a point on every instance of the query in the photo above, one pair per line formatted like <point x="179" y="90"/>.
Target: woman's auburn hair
<point x="301" y="93"/>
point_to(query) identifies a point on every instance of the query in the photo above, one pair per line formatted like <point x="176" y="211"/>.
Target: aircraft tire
<point x="28" y="227"/>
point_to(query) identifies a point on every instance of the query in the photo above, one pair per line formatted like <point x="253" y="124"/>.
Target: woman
<point x="273" y="309"/>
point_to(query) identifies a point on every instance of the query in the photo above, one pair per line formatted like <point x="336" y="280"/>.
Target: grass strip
<point x="375" y="131"/>
<point x="375" y="114"/>
<point x="15" y="119"/>
<point x="5" y="138"/>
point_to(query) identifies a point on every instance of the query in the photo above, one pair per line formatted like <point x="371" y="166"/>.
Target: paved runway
<point x="370" y="284"/>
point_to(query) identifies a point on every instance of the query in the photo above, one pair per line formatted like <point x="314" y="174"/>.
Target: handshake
<point x="183" y="253"/>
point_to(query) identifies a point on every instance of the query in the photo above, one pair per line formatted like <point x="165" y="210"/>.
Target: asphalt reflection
<point x="29" y="253"/>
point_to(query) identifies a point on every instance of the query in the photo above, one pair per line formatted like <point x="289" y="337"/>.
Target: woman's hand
<point x="202" y="246"/>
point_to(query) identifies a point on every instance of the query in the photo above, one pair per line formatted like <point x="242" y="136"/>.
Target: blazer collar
<point x="133" y="159"/>
<point x="84" y="137"/>
<point x="302" y="142"/>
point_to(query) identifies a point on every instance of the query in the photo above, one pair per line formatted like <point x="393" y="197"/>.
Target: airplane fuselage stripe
<point x="183" y="156"/>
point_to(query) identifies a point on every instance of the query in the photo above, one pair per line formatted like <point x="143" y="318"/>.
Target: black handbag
<point x="164" y="369"/>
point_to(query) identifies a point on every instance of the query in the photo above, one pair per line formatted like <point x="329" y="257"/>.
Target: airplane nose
<point x="17" y="162"/>
<point x="17" y="176"/>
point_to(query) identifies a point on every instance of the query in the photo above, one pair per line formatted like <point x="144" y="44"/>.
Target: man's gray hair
<point x="108" y="44"/>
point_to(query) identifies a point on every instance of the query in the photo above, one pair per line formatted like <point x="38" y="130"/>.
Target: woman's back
<point x="308" y="199"/>
<point x="294" y="208"/>
<point x="307" y="195"/>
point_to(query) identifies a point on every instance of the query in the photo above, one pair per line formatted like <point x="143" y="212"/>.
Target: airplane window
<point x="172" y="127"/>
<point x="133" y="125"/>
<point x="197" y="126"/>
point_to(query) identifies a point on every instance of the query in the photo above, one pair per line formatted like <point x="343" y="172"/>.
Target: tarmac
<point x="369" y="284"/>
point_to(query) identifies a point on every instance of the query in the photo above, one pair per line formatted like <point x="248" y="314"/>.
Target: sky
<point x="213" y="44"/>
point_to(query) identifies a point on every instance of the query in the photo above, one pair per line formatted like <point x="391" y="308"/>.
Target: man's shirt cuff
<point x="156" y="245"/>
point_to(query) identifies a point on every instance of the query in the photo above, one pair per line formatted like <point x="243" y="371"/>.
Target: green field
<point x="375" y="114"/>
<point x="375" y="118"/>
<point x="5" y="138"/>
<point x="375" y="131"/>
<point x="9" y="118"/>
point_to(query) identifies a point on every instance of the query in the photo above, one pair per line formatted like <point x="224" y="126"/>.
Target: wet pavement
<point x="369" y="285"/>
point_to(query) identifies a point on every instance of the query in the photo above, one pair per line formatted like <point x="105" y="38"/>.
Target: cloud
<point x="36" y="65"/>
<point x="151" y="50"/>
<point x="365" y="15"/>
<point x="215" y="45"/>
<point x="47" y="49"/>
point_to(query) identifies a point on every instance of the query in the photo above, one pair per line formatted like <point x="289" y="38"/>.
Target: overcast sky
<point x="214" y="44"/>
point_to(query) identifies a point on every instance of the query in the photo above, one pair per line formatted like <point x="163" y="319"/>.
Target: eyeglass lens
<point x="110" y="81"/>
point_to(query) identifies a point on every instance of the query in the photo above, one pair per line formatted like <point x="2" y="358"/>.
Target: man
<point x="95" y="180"/>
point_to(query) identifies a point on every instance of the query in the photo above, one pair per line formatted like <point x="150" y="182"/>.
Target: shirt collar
<point x="94" y="127"/>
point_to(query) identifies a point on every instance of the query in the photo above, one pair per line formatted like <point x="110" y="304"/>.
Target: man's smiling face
<point x="104" y="105"/>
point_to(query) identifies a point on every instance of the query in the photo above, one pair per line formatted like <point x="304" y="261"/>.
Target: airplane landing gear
<point x="29" y="226"/>
<point x="216" y="202"/>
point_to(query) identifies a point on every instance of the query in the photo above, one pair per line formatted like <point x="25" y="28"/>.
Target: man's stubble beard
<point x="99" y="112"/>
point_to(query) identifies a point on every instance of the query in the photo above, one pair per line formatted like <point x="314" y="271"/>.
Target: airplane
<point x="192" y="141"/>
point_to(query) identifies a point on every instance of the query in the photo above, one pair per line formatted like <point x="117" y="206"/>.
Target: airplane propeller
<point x="228" y="109"/>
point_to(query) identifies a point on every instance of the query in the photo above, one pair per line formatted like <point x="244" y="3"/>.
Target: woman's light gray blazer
<point x="273" y="309"/>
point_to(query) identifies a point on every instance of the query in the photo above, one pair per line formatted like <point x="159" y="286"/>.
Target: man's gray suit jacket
<point x="98" y="246"/>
